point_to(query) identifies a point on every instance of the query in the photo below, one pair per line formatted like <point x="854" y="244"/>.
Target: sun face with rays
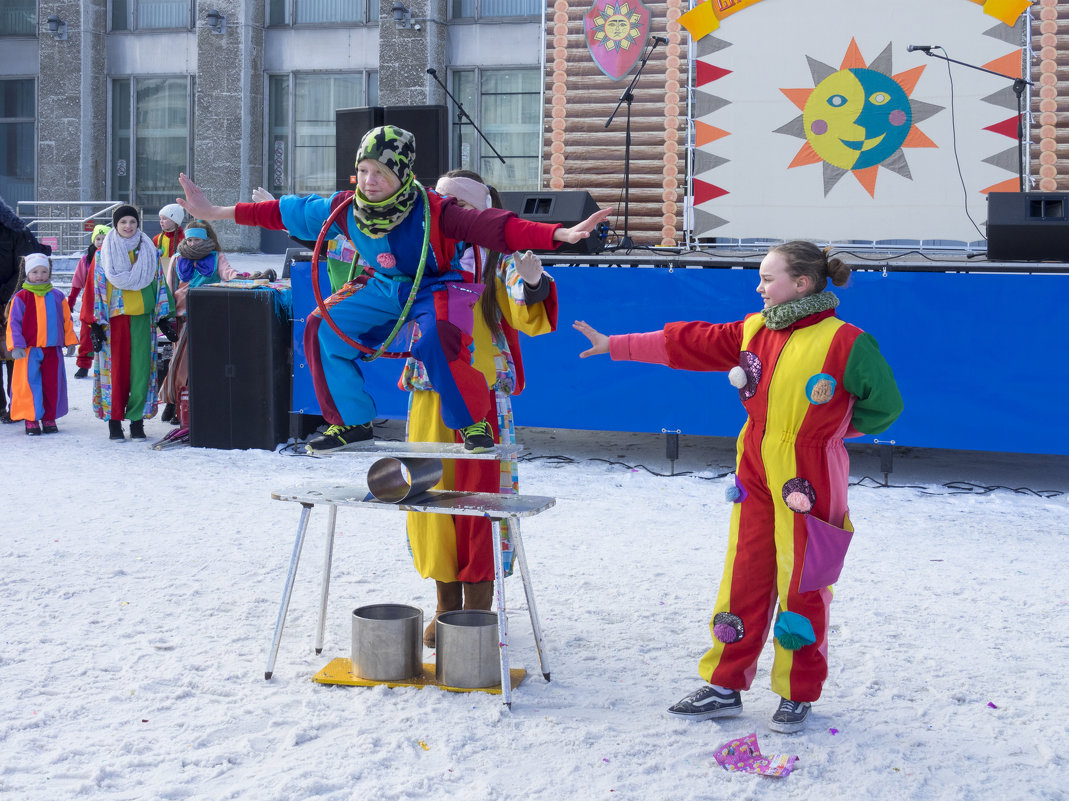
<point x="616" y="27"/>
<point x="858" y="118"/>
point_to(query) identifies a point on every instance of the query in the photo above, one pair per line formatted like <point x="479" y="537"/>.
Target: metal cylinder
<point x="468" y="649"/>
<point x="393" y="480"/>
<point x="387" y="642"/>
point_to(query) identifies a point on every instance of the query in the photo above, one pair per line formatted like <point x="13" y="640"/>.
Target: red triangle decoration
<point x="705" y="191"/>
<point x="707" y="73"/>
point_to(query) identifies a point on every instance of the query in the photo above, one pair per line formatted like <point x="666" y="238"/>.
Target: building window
<point x="486" y="9"/>
<point x="322" y="12"/>
<point x="507" y="107"/>
<point x="147" y="15"/>
<point x="18" y="18"/>
<point x="300" y="127"/>
<point x="150" y="139"/>
<point x="18" y="155"/>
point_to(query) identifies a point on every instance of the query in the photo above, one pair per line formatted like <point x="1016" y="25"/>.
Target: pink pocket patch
<point x="825" y="552"/>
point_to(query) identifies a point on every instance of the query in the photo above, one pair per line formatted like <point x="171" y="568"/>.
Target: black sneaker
<point x="81" y="372"/>
<point x="115" y="429"/>
<point x="478" y="437"/>
<point x="707" y="703"/>
<point x="790" y="717"/>
<point x="338" y="438"/>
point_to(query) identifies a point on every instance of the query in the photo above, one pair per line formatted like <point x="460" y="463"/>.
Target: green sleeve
<point x="869" y="379"/>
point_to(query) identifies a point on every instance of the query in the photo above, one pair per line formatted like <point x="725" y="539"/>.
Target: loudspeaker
<point x="239" y="373"/>
<point x="429" y="125"/>
<point x="565" y="207"/>
<point x="1028" y="226"/>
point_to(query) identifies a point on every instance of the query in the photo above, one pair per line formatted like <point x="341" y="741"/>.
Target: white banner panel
<point x="813" y="120"/>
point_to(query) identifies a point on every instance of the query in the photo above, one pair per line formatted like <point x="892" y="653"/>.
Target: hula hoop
<point x="371" y="355"/>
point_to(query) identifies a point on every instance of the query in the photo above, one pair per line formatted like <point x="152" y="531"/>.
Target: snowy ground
<point x="139" y="592"/>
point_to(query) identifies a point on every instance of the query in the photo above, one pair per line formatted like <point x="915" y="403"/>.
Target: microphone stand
<point x="1018" y="89"/>
<point x="462" y="114"/>
<point x="625" y="242"/>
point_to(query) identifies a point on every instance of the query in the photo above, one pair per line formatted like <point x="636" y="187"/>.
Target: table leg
<point x="332" y="517"/>
<point x="302" y="529"/>
<point x="521" y="560"/>
<point x="502" y="618"/>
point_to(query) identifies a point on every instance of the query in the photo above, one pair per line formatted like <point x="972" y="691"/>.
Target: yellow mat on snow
<point x="339" y="671"/>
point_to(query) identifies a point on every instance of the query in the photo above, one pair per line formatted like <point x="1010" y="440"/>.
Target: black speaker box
<point x="565" y="207"/>
<point x="239" y="368"/>
<point x="1028" y="226"/>
<point x="429" y="124"/>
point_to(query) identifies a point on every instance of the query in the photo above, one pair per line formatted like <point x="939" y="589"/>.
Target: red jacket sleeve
<point x="265" y="215"/>
<point x="703" y="346"/>
<point x="496" y="229"/>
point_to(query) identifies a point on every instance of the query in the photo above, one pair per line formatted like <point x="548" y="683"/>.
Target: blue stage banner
<point x="964" y="348"/>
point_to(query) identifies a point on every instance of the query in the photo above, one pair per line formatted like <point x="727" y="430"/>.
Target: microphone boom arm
<point x="462" y="114"/>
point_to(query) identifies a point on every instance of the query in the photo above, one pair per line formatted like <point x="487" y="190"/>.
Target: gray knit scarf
<point x="118" y="268"/>
<point x="785" y="314"/>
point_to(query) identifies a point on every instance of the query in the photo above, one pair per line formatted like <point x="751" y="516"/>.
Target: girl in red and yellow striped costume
<point x="807" y="380"/>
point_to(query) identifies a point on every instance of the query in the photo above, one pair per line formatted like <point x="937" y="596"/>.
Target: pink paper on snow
<point x="744" y="755"/>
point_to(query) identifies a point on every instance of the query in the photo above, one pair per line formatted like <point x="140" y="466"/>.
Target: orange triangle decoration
<point x="705" y="191"/>
<point x="867" y="179"/>
<point x="704" y="133"/>
<point x="908" y="79"/>
<point x="798" y="96"/>
<point x="918" y="138"/>
<point x="707" y="73"/>
<point x="853" y="59"/>
<point x="1009" y="185"/>
<point x="1006" y="127"/>
<point x="806" y="155"/>
<point x="1009" y="64"/>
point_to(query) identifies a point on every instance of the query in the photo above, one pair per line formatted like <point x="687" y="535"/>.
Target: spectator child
<point x="83" y="280"/>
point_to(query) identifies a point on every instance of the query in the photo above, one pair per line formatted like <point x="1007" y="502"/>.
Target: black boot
<point x="115" y="429"/>
<point x="168" y="413"/>
<point x="137" y="429"/>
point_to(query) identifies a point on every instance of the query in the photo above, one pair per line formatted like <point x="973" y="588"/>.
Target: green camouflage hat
<point x="393" y="147"/>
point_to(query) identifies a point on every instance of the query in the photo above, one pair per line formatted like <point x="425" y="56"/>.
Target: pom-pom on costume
<point x="810" y="380"/>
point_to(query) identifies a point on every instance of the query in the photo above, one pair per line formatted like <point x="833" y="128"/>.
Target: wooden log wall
<point x="581" y="153"/>
<point x="1049" y="145"/>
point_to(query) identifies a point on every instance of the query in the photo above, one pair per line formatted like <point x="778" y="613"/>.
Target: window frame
<point x="35" y="23"/>
<point x="369" y="80"/>
<point x="133" y="15"/>
<point x="290" y="15"/>
<point x="32" y="121"/>
<point x="478" y="16"/>
<point x="132" y="195"/>
<point x="480" y="151"/>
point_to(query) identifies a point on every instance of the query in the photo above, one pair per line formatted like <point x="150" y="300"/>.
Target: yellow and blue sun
<point x="858" y="118"/>
<point x="617" y="26"/>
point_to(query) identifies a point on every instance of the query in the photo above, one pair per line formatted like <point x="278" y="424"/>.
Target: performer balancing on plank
<point x="397" y="227"/>
<point x="806" y="379"/>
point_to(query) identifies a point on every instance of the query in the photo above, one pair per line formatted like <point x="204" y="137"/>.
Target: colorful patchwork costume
<point x="804" y="387"/>
<point x="39" y="321"/>
<point x="368" y="307"/>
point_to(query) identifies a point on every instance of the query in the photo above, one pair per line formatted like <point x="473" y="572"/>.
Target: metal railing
<point x="65" y="225"/>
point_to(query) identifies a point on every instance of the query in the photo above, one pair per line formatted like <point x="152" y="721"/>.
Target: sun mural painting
<point x="858" y="118"/>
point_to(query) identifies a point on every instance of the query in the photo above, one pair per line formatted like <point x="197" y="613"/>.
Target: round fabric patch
<point x="794" y="631"/>
<point x="820" y="388"/>
<point x="727" y="627"/>
<point x="751" y="366"/>
<point x="799" y="495"/>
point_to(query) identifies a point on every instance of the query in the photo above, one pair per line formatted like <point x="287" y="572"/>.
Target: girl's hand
<point x="599" y="342"/>
<point x="198" y="205"/>
<point x="583" y="229"/>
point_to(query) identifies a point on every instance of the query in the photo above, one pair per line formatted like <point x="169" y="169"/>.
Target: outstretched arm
<point x="599" y="343"/>
<point x="198" y="205"/>
<point x="582" y="230"/>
